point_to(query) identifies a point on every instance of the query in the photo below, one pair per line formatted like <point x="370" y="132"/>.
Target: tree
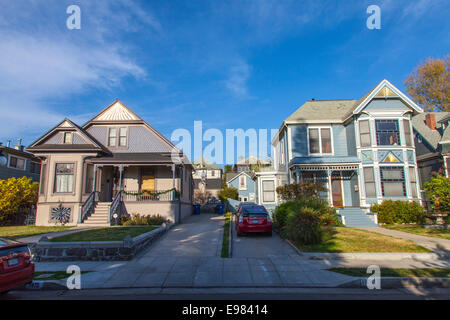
<point x="429" y="84"/>
<point x="16" y="194"/>
<point x="226" y="169"/>
<point x="228" y="193"/>
<point x="438" y="190"/>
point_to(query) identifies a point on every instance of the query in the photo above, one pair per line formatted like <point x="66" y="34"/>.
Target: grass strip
<point x="226" y="235"/>
<point x="397" y="272"/>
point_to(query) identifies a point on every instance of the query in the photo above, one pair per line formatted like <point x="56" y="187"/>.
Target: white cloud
<point x="237" y="80"/>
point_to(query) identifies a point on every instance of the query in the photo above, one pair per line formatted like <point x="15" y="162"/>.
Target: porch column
<point x="120" y="177"/>
<point x="297" y="175"/>
<point x="94" y="183"/>
<point x="173" y="176"/>
<point x="330" y="195"/>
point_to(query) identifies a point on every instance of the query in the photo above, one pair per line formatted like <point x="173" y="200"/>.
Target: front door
<point x="336" y="190"/>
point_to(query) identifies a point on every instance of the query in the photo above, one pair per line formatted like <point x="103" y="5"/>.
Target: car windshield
<point x="255" y="212"/>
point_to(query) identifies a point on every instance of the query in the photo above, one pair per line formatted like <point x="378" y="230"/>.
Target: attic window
<point x="67" y="138"/>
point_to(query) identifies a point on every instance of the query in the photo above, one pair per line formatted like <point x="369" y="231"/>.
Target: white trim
<point x="242" y="172"/>
<point x="382" y="84"/>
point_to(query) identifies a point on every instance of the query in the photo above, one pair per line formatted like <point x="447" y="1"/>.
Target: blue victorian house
<point x="361" y="150"/>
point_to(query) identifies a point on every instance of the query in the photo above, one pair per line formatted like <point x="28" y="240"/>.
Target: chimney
<point x="19" y="145"/>
<point x="430" y="121"/>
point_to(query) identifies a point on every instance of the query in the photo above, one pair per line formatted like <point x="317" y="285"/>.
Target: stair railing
<point x="88" y="206"/>
<point x="115" y="205"/>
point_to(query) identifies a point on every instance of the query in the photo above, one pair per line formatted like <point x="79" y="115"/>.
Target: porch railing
<point x="115" y="205"/>
<point x="140" y="196"/>
<point x="88" y="206"/>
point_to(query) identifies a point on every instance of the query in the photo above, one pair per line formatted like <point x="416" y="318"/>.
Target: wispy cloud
<point x="42" y="62"/>
<point x="237" y="80"/>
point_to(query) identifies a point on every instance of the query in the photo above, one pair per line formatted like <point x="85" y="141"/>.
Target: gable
<point x="117" y="111"/>
<point x="378" y="98"/>
<point x="53" y="139"/>
<point x="140" y="139"/>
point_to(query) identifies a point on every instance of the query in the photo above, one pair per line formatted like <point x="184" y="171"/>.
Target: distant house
<point x="208" y="172"/>
<point x="245" y="184"/>
<point x="250" y="164"/>
<point x="362" y="151"/>
<point x="17" y="163"/>
<point x="114" y="163"/>
<point x="432" y="140"/>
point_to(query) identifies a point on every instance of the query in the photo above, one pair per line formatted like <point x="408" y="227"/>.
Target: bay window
<point x="369" y="182"/>
<point x="412" y="177"/>
<point x="364" y="133"/>
<point x="387" y="132"/>
<point x="407" y="131"/>
<point x="393" y="181"/>
<point x="64" y="173"/>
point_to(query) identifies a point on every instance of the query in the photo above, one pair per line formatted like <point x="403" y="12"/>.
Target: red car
<point x="16" y="265"/>
<point x="253" y="219"/>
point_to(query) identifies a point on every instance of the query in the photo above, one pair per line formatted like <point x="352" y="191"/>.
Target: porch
<point x="118" y="189"/>
<point x="340" y="182"/>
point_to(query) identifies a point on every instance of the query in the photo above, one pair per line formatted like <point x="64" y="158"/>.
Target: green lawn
<point x="226" y="235"/>
<point x="417" y="229"/>
<point x="105" y="234"/>
<point x="397" y="272"/>
<point x="345" y="239"/>
<point x="17" y="232"/>
<point x="53" y="275"/>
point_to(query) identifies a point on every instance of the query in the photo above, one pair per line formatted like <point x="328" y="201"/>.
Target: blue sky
<point x="231" y="64"/>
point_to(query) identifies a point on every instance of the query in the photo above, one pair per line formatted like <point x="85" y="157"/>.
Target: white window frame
<point x="18" y="157"/>
<point x="244" y="186"/>
<point x="320" y="140"/>
<point x="274" y="190"/>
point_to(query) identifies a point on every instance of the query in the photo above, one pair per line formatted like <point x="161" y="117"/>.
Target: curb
<point x="397" y="283"/>
<point x="230" y="238"/>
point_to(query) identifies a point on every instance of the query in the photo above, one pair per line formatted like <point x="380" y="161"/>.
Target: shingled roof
<point x="324" y="110"/>
<point x="433" y="137"/>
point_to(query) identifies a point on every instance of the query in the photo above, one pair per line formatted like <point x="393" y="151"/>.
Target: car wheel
<point x="269" y="233"/>
<point x="239" y="234"/>
<point x="4" y="292"/>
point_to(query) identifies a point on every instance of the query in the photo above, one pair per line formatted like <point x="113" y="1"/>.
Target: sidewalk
<point x="435" y="244"/>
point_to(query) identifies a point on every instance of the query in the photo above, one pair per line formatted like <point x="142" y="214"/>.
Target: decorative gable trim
<point x="238" y="175"/>
<point x="117" y="111"/>
<point x="391" y="92"/>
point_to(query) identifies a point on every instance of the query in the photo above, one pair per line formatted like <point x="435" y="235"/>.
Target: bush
<point x="296" y="191"/>
<point x="281" y="213"/>
<point x="326" y="213"/>
<point x="304" y="226"/>
<point x="391" y="212"/>
<point x="228" y="193"/>
<point x="138" y="220"/>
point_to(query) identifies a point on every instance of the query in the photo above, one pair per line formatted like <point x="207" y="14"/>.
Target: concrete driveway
<point x="188" y="256"/>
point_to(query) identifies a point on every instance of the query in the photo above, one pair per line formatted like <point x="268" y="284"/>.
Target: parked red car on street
<point x="16" y="265"/>
<point x="253" y="219"/>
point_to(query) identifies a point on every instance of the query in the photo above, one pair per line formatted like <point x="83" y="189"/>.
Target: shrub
<point x="144" y="220"/>
<point x="304" y="226"/>
<point x="326" y="213"/>
<point x="281" y="213"/>
<point x="438" y="190"/>
<point x="16" y="194"/>
<point x="296" y="191"/>
<point x="228" y="193"/>
<point x="391" y="212"/>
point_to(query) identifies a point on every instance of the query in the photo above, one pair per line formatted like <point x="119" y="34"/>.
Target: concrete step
<point x="355" y="217"/>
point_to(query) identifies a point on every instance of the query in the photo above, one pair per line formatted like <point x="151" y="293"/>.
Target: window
<point x="43" y="179"/>
<point x="17" y="163"/>
<point x="387" y="132"/>
<point x="122" y="137"/>
<point x="112" y="137"/>
<point x="369" y="182"/>
<point x="67" y="137"/>
<point x="89" y="178"/>
<point x="320" y="140"/>
<point x="64" y="178"/>
<point x="407" y="130"/>
<point x="213" y="173"/>
<point x="242" y="182"/>
<point x="35" y="167"/>
<point x="393" y="181"/>
<point x="412" y="177"/>
<point x="364" y="133"/>
<point x="268" y="191"/>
